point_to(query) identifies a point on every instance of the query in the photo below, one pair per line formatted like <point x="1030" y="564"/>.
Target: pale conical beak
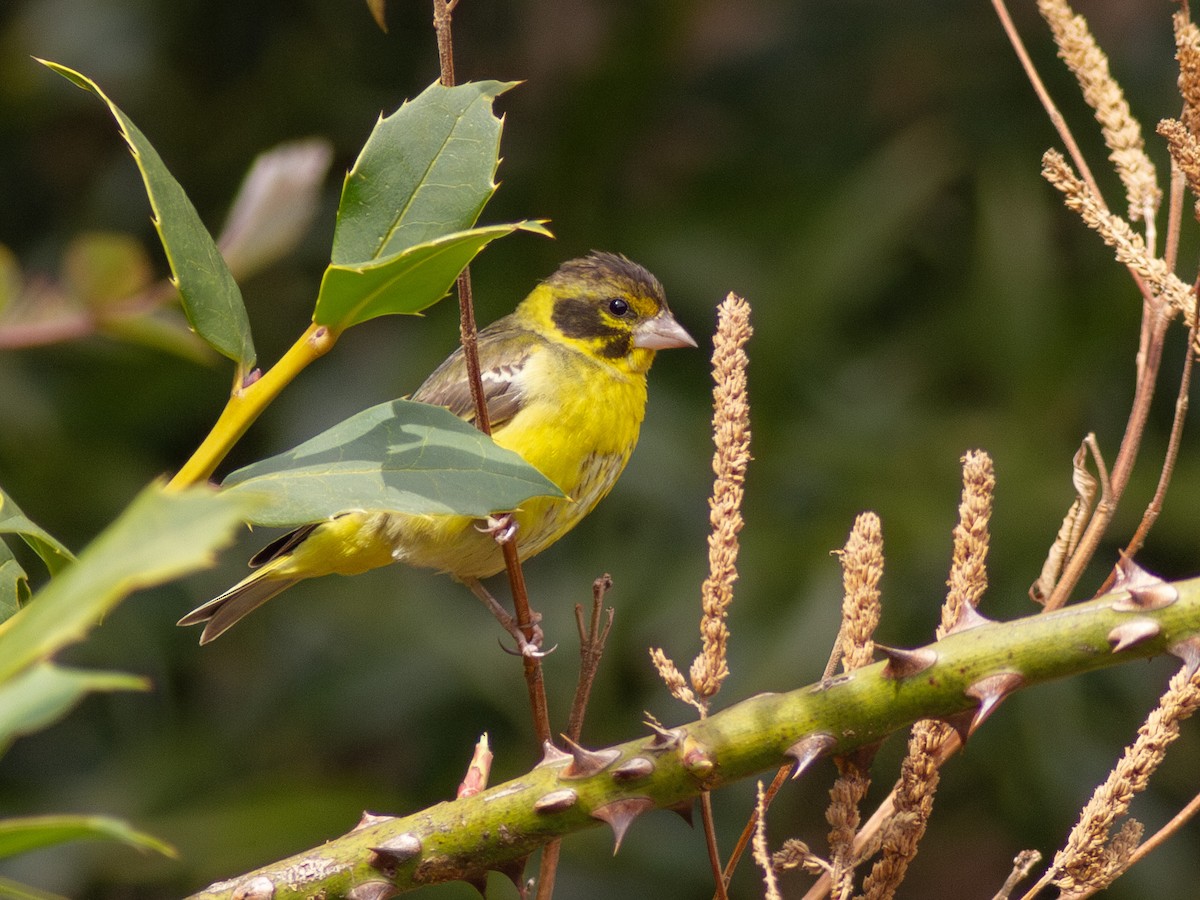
<point x="661" y="333"/>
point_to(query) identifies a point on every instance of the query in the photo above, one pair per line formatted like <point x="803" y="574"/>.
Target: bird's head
<point x="609" y="307"/>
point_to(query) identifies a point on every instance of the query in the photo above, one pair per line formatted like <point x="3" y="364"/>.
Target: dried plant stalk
<point x="673" y="678"/>
<point x="913" y="797"/>
<point x="968" y="568"/>
<point x="862" y="569"/>
<point x="1090" y="860"/>
<point x="761" y="854"/>
<point x="1129" y="247"/>
<point x="1122" y="132"/>
<point x="1187" y="52"/>
<point x="794" y="854"/>
<point x="843" y="817"/>
<point x="1074" y="523"/>
<point x="731" y="434"/>
<point x="1185" y="151"/>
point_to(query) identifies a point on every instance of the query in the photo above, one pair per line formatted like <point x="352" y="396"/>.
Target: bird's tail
<point x="223" y="612"/>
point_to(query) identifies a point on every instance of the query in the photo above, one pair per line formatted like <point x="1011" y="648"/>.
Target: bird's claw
<point x="527" y="649"/>
<point x="528" y="646"/>
<point x="502" y="528"/>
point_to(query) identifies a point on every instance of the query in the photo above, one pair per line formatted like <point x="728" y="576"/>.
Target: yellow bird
<point x="564" y="376"/>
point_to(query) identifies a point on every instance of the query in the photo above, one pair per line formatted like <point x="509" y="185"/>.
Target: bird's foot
<point x="502" y="528"/>
<point x="527" y="645"/>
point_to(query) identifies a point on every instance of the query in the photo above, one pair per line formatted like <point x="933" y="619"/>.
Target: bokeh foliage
<point x="866" y="175"/>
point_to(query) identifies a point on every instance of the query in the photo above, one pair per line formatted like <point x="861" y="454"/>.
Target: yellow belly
<point x="577" y="428"/>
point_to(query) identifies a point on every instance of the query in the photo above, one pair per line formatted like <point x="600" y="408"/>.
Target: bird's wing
<point x="503" y="353"/>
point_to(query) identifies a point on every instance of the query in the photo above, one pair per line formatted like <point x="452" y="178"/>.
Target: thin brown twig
<point x="1043" y="95"/>
<point x="710" y="840"/>
<point x="1153" y="842"/>
<point x="1123" y="466"/>
<point x="1150" y="516"/>
<point x="747" y="834"/>
<point x="1174" y="217"/>
<point x="591" y="649"/>
<point x="534" y="680"/>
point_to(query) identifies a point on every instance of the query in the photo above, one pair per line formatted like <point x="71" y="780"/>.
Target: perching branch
<point x="961" y="677"/>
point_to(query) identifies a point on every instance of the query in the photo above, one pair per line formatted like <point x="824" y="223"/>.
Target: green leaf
<point x="406" y="282"/>
<point x="14" y="890"/>
<point x="159" y="537"/>
<point x="52" y="551"/>
<point x="400" y="456"/>
<point x="426" y="170"/>
<point x="210" y="295"/>
<point x="103" y="268"/>
<point x="45" y="693"/>
<point x="14" y="583"/>
<point x="21" y="835"/>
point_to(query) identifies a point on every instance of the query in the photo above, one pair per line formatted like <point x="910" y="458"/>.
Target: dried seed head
<point x="968" y="570"/>
<point x="1128" y="246"/>
<point x="731" y="457"/>
<point x="1122" y="132"/>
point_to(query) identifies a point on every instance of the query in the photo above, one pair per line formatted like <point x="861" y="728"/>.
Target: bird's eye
<point x="618" y="306"/>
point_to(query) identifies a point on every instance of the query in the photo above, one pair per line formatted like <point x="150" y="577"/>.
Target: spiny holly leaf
<point x="210" y="295"/>
<point x="159" y="537"/>
<point x="406" y="282"/>
<point x="426" y="170"/>
<point x="399" y="456"/>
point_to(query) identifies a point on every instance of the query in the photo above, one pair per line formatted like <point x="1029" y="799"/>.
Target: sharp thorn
<point x="372" y="890"/>
<point x="619" y="814"/>
<point x="903" y="664"/>
<point x="552" y="756"/>
<point x="1188" y="650"/>
<point x="259" y="887"/>
<point x="990" y="691"/>
<point x="1135" y="631"/>
<point x="1128" y="574"/>
<point x="664" y="738"/>
<point x="634" y="769"/>
<point x="684" y="810"/>
<point x="968" y="617"/>
<point x="862" y="757"/>
<point x="585" y="763"/>
<point x="556" y="801"/>
<point x="961" y="722"/>
<point x="808" y="750"/>
<point x="514" y="871"/>
<point x="368" y="819"/>
<point x="1145" y="599"/>
<point x="395" y="851"/>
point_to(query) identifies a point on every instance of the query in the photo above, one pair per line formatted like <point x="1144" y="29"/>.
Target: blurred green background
<point x="867" y="174"/>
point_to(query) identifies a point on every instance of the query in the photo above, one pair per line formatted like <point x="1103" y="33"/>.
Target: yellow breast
<point x="578" y="426"/>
